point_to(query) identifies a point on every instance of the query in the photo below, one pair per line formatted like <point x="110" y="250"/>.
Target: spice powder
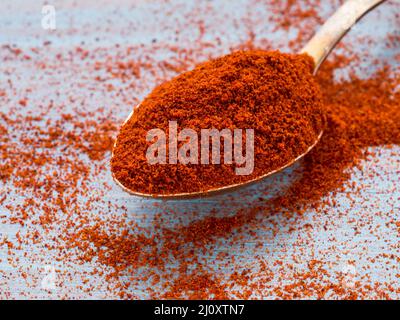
<point x="331" y="232"/>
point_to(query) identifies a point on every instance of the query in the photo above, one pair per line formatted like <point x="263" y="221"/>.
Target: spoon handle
<point x="336" y="27"/>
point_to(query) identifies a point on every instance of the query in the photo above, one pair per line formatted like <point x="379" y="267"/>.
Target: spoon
<point x="319" y="47"/>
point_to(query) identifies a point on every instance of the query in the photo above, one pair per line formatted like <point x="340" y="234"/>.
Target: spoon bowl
<point x="214" y="191"/>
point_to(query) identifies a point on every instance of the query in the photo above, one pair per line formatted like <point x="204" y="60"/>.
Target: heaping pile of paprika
<point x="272" y="93"/>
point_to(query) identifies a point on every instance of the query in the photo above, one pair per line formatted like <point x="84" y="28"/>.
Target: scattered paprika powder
<point x="342" y="209"/>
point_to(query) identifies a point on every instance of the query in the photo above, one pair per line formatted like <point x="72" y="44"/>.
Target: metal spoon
<point x="318" y="48"/>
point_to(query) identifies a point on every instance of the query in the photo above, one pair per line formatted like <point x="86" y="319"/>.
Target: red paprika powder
<point x="273" y="93"/>
<point x="244" y="248"/>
